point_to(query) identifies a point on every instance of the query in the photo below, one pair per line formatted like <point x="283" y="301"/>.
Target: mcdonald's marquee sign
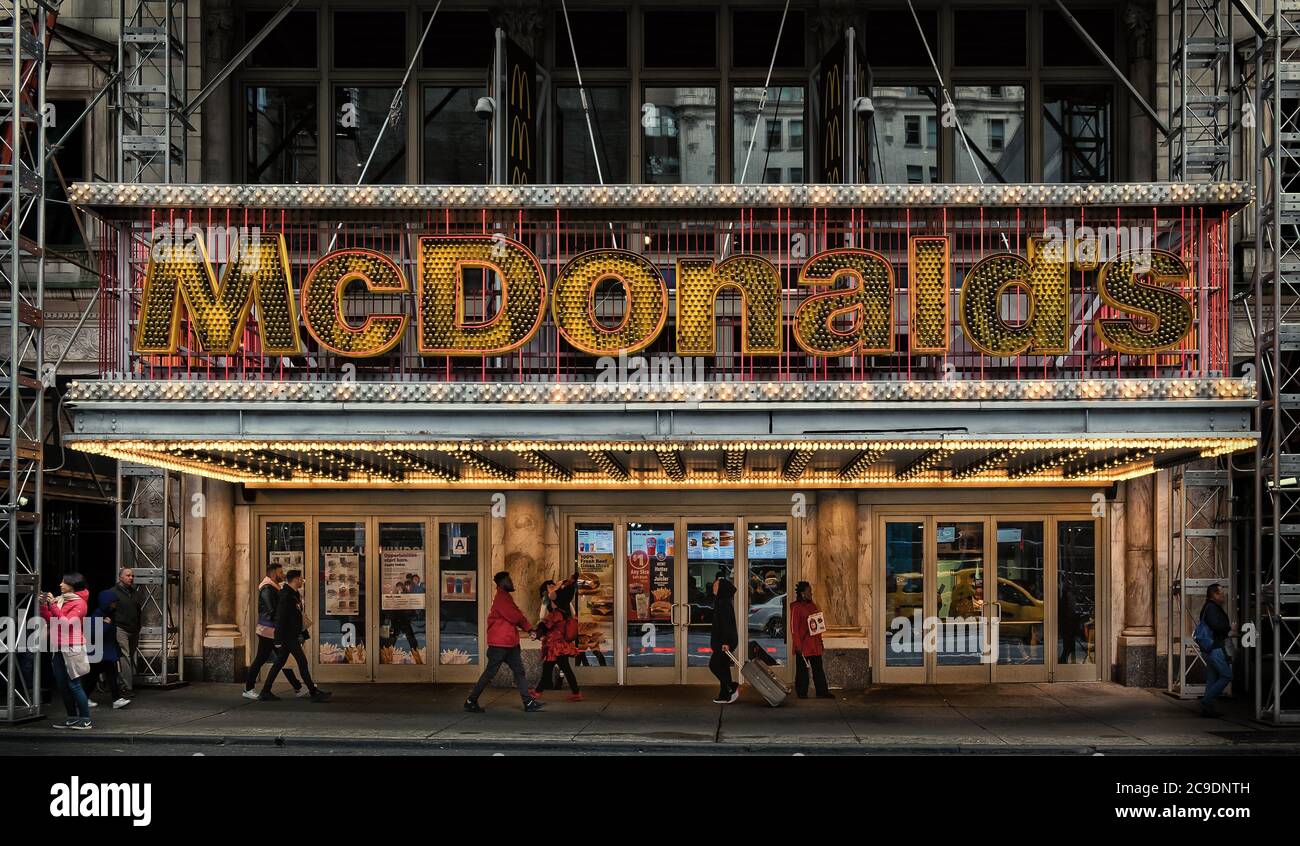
<point x="846" y="305"/>
<point x="521" y="115"/>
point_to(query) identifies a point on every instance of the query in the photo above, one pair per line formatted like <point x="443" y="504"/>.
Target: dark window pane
<point x="370" y="39"/>
<point x="609" y="123"/>
<point x="60" y="223"/>
<point x="455" y="139"/>
<point x="680" y="40"/>
<point x="292" y="44"/>
<point x="600" y="39"/>
<point x="754" y="33"/>
<point x="989" y="38"/>
<point x="1076" y="133"/>
<point x="458" y="40"/>
<point x="679" y="129"/>
<point x="892" y="38"/>
<point x="283" y="134"/>
<point x="359" y="112"/>
<point x="1066" y="47"/>
<point x="993" y="121"/>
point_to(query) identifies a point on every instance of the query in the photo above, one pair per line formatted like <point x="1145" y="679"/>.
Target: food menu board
<point x="650" y="574"/>
<point x="342" y="582"/>
<point x="291" y="560"/>
<point x="595" y="597"/>
<point x="711" y="545"/>
<point x="402" y="571"/>
<point x="767" y="544"/>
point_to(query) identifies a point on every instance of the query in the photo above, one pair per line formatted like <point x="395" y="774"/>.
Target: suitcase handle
<point x="732" y="656"/>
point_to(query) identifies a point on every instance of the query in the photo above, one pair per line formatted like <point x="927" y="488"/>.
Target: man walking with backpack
<point x="1212" y="632"/>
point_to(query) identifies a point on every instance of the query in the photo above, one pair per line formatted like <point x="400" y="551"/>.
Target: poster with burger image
<point x="595" y="600"/>
<point x="649" y="576"/>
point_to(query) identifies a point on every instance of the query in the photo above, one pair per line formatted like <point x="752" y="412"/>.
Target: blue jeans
<point x="1218" y="675"/>
<point x="74" y="697"/>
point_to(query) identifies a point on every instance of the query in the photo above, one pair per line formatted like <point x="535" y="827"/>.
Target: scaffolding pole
<point x="152" y="90"/>
<point x="1200" y="96"/>
<point x="151" y="538"/>
<point x="24" y="44"/>
<point x="1200" y="555"/>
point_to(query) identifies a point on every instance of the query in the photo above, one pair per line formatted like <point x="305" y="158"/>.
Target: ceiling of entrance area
<point x="669" y="464"/>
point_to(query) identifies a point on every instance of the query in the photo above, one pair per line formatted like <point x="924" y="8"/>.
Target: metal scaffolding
<point x="151" y="91"/>
<point x="1275" y="578"/>
<point x="1200" y="99"/>
<point x="1199" y="556"/>
<point x="24" y="42"/>
<point x="151" y="537"/>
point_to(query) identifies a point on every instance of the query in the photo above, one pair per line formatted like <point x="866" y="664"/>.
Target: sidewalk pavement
<point x="1060" y="718"/>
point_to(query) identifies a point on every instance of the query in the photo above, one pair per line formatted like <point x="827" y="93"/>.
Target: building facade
<point x="939" y="345"/>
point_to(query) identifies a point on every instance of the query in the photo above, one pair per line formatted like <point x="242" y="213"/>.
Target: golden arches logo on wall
<point x="182" y="273"/>
<point x="698" y="283"/>
<point x="442" y="323"/>
<point x="846" y="306"/>
<point x="644" y="302"/>
<point x="323" y="302"/>
<point x="867" y="303"/>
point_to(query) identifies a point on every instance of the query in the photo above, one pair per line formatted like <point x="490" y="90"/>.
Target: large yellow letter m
<point x="181" y="272"/>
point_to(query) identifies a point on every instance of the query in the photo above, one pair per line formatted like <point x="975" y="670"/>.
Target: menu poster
<point x="290" y="560"/>
<point x="650" y="575"/>
<point x="459" y="586"/>
<point x="767" y="544"/>
<point x="342" y="581"/>
<point x="711" y="545"/>
<point x="402" y="571"/>
<point x="595" y="598"/>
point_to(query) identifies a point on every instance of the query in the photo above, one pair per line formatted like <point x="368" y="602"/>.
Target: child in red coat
<point x="558" y="633"/>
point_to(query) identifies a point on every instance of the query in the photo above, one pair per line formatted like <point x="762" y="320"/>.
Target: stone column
<point x="837" y="560"/>
<point x="1137" y="641"/>
<point x="223" y="644"/>
<point x="1139" y="19"/>
<point x="524" y="546"/>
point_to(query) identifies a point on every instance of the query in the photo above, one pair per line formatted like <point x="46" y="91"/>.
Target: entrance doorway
<point x="986" y="598"/>
<point x="645" y="597"/>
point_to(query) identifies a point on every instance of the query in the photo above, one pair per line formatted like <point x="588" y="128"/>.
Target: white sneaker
<point x="121" y="703"/>
<point x="92" y="703"/>
<point x="302" y="692"/>
<point x="250" y="694"/>
<point x="735" y="694"/>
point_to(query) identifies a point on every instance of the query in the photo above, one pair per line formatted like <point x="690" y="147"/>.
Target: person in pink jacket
<point x="65" y="615"/>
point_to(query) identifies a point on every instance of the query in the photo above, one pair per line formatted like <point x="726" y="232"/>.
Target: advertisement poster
<point x="711" y="545"/>
<point x="342" y="583"/>
<point x="767" y="544"/>
<point x="459" y="586"/>
<point x="595" y="599"/>
<point x="287" y="560"/>
<point x="402" y="571"/>
<point x="649" y="575"/>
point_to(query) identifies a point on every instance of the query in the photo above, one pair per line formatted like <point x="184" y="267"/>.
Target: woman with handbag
<point x="65" y="615"/>
<point x="558" y="630"/>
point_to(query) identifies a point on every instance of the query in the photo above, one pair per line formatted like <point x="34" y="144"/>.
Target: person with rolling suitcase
<point x="806" y="625"/>
<point x="723" y="640"/>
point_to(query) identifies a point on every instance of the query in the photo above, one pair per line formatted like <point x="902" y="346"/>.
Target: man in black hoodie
<point x="1218" y="670"/>
<point x="289" y="635"/>
<point x="723" y="639"/>
<point x="268" y="595"/>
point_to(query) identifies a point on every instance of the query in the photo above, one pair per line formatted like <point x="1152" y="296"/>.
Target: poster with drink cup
<point x="650" y="575"/>
<point x="458" y="586"/>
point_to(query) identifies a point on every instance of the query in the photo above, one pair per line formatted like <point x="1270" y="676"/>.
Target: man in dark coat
<point x="1218" y="670"/>
<point x="723" y="639"/>
<point x="289" y="635"/>
<point x="126" y="619"/>
<point x="268" y="597"/>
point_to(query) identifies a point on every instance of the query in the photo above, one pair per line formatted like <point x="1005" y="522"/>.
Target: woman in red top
<point x="807" y="646"/>
<point x="557" y="640"/>
<point x="65" y="615"/>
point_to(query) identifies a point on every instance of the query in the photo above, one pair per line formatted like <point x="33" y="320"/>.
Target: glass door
<point x="403" y="615"/>
<point x="652" y="644"/>
<point x="962" y="608"/>
<point x="1019" y="604"/>
<point x="767" y="562"/>
<point x="594" y="547"/>
<point x="339" y="628"/>
<point x="904" y="603"/>
<point x="461" y="600"/>
<point x="1074" y="643"/>
<point x="710" y="554"/>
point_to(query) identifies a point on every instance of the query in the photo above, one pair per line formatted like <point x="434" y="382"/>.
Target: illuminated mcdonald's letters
<point x="846" y="302"/>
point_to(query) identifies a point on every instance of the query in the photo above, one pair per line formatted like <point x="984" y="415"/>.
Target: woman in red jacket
<point x="807" y="642"/>
<point x="553" y="629"/>
<point x="65" y="614"/>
